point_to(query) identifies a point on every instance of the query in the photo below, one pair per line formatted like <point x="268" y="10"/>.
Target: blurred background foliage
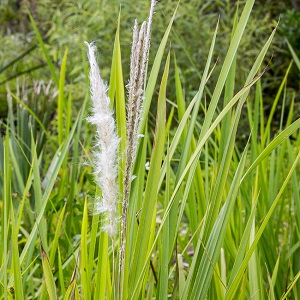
<point x="66" y="24"/>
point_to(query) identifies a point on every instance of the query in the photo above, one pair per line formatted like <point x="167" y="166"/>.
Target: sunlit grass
<point x="208" y="218"/>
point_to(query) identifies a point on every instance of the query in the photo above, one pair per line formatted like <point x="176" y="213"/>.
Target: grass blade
<point x="149" y="211"/>
<point x="49" y="280"/>
<point x="43" y="46"/>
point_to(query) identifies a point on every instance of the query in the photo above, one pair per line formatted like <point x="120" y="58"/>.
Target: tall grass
<point x="207" y="217"/>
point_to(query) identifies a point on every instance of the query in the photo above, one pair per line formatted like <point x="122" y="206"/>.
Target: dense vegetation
<point x="214" y="209"/>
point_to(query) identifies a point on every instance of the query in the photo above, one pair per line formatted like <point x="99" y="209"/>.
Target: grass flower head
<point x="106" y="148"/>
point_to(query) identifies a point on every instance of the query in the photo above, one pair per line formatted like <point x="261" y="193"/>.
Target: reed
<point x="188" y="211"/>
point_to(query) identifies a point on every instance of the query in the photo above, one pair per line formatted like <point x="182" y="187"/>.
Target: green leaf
<point x="85" y="283"/>
<point x="150" y="199"/>
<point x="203" y="275"/>
<point x="50" y="284"/>
<point x="61" y="99"/>
<point x="58" y="159"/>
<point x="282" y="136"/>
<point x="238" y="275"/>
<point x="46" y="53"/>
<point x="295" y="57"/>
<point x="16" y="261"/>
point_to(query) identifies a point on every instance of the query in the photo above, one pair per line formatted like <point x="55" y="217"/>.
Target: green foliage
<point x="290" y="27"/>
<point x="65" y="24"/>
<point x="206" y="220"/>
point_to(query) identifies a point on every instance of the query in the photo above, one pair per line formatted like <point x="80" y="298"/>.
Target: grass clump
<point x="203" y="217"/>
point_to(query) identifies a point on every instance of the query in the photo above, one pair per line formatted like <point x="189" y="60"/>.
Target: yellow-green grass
<point x="209" y="219"/>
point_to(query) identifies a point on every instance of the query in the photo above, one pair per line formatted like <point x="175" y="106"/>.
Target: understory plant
<point x="177" y="209"/>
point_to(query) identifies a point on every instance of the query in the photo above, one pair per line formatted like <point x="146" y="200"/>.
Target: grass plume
<point x="138" y="65"/>
<point x="105" y="159"/>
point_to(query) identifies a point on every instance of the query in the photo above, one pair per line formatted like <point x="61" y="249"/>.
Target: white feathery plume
<point x="105" y="160"/>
